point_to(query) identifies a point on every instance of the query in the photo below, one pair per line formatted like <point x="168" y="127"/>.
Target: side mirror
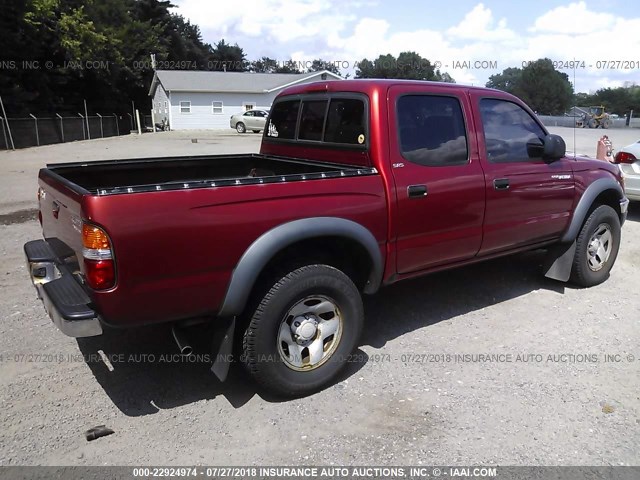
<point x="550" y="148"/>
<point x="554" y="147"/>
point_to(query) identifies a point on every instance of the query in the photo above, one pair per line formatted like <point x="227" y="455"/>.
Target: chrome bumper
<point x="64" y="298"/>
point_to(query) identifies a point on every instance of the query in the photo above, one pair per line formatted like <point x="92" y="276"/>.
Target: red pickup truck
<point x="358" y="184"/>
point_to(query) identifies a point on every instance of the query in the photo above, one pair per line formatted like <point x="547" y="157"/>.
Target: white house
<point x="190" y="99"/>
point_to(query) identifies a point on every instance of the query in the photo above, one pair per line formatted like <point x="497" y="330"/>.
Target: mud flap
<point x="559" y="261"/>
<point x="222" y="349"/>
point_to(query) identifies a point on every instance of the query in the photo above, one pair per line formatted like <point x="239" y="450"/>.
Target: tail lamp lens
<point x="94" y="238"/>
<point x="100" y="269"/>
<point x="100" y="274"/>
<point x="625" y="157"/>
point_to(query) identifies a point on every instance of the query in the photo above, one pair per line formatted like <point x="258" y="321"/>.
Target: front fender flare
<point x="263" y="249"/>
<point x="584" y="204"/>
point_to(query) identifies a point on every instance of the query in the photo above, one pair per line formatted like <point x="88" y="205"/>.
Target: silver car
<point x="628" y="159"/>
<point x="253" y="120"/>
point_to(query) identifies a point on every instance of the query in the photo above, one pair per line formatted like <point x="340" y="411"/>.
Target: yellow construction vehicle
<point x="596" y="117"/>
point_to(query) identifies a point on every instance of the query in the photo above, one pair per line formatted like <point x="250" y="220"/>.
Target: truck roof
<point x="371" y="85"/>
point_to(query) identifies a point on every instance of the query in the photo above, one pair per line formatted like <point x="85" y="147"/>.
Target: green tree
<point x="412" y="66"/>
<point x="408" y="65"/>
<point x="264" y="65"/>
<point x="227" y="57"/>
<point x="506" y="81"/>
<point x="617" y="100"/>
<point x="288" y="66"/>
<point x="318" y="65"/>
<point x="581" y="99"/>
<point x="539" y="84"/>
<point x="545" y="89"/>
<point x="385" y="66"/>
<point x="444" y="77"/>
<point x="66" y="35"/>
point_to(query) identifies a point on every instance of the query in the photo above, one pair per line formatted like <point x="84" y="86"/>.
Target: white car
<point x="253" y="120"/>
<point x="628" y="159"/>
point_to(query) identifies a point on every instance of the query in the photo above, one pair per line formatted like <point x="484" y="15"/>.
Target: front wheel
<point x="597" y="247"/>
<point x="240" y="128"/>
<point x="303" y="331"/>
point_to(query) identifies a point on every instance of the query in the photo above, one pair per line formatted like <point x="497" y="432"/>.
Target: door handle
<point x="55" y="209"/>
<point x="417" y="191"/>
<point x="501" y="184"/>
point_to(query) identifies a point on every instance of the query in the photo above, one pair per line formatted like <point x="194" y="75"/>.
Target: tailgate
<point x="60" y="210"/>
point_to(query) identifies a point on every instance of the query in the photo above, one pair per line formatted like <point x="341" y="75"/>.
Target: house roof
<point x="240" y="82"/>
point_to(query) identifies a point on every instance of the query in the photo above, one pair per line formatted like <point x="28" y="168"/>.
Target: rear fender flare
<point x="585" y="203"/>
<point x="263" y="249"/>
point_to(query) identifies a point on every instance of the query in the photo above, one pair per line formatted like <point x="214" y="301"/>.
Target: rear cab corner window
<point x="431" y="130"/>
<point x="283" y="120"/>
<point x="509" y="132"/>
<point x="320" y="120"/>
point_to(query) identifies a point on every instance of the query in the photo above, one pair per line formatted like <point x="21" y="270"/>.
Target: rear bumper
<point x="51" y="265"/>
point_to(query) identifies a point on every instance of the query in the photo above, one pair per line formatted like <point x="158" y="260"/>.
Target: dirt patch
<point x="21" y="216"/>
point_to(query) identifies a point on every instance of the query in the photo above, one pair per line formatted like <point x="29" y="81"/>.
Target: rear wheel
<point x="597" y="247"/>
<point x="303" y="330"/>
<point x="240" y="128"/>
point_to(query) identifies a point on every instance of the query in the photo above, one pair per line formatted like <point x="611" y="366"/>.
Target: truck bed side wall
<point x="175" y="250"/>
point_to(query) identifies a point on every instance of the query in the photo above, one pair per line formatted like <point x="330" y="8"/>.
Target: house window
<point x="166" y="106"/>
<point x="185" y="107"/>
<point x="246" y="106"/>
<point x="217" y="107"/>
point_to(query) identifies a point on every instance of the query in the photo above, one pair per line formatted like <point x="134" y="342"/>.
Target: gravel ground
<point x="408" y="397"/>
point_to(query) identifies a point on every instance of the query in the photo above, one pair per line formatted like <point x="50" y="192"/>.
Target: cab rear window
<point x="332" y="120"/>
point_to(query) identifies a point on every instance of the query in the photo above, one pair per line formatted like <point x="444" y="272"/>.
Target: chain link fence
<point x="34" y="131"/>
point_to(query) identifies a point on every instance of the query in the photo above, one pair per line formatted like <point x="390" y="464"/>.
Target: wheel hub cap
<point x="304" y="329"/>
<point x="309" y="333"/>
<point x="600" y="247"/>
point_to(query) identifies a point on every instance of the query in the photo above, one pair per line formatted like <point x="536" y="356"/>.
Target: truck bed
<point x="172" y="173"/>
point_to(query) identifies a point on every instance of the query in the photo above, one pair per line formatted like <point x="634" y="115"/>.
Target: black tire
<point x="255" y="131"/>
<point x="240" y="128"/>
<point x="261" y="351"/>
<point x="582" y="274"/>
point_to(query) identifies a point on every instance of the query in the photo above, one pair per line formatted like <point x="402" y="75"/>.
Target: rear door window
<point x="432" y="130"/>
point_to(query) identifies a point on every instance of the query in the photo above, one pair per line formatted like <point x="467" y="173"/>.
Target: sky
<point x="470" y="40"/>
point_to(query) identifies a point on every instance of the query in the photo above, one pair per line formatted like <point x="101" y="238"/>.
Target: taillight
<point x="100" y="270"/>
<point x="625" y="157"/>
